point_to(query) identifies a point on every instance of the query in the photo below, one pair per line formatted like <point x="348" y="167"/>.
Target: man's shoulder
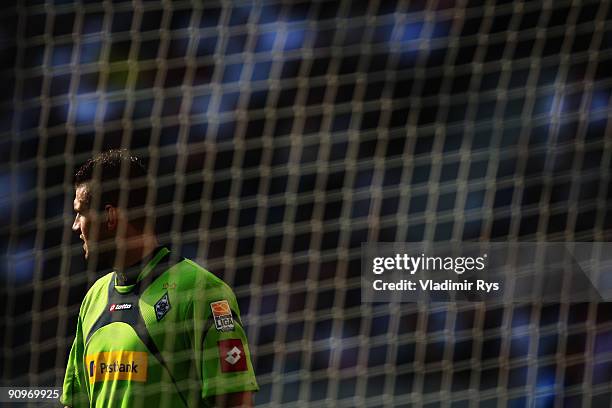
<point x="196" y="273"/>
<point x="202" y="286"/>
<point x="101" y="283"/>
<point x="97" y="293"/>
<point x="199" y="283"/>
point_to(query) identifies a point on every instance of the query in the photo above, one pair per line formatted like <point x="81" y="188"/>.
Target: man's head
<point x="111" y="192"/>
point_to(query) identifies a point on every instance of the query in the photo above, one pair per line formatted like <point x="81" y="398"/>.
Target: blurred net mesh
<point x="282" y="135"/>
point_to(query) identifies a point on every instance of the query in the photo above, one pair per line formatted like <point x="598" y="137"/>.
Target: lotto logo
<point x="231" y="355"/>
<point x="119" y="306"/>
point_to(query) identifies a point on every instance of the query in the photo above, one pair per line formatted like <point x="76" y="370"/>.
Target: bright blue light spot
<point x="86" y="111"/>
<point x="285" y="38"/>
<point x="265" y="42"/>
<point x="546" y="377"/>
<point x="294" y="39"/>
<point x="545" y="401"/>
<point x="61" y="55"/>
<point x="412" y="31"/>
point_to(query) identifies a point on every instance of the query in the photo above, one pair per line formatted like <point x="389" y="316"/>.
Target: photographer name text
<point x="431" y="285"/>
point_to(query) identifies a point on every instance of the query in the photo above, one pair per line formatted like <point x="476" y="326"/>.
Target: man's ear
<point x="112" y="217"/>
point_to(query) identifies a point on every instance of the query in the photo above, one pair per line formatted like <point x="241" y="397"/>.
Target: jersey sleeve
<point x="222" y="348"/>
<point x="75" y="392"/>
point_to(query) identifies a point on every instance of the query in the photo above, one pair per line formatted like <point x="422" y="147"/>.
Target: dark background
<point x="282" y="135"/>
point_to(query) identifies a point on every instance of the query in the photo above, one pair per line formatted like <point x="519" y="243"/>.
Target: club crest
<point x="162" y="306"/>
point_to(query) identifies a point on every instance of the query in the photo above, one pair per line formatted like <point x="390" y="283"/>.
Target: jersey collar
<point x="142" y="268"/>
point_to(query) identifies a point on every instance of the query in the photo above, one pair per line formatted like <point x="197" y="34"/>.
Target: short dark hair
<point x="109" y="175"/>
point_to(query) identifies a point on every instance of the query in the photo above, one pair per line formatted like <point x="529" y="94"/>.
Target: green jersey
<point x="172" y="339"/>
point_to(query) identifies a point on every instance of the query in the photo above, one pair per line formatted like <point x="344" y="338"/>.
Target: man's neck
<point x="136" y="249"/>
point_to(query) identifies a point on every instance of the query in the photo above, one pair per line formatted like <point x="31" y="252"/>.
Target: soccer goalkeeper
<point x="156" y="331"/>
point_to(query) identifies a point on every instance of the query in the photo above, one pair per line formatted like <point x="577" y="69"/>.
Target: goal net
<point x="280" y="135"/>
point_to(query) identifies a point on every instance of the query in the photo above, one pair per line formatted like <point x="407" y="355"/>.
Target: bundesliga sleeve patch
<point x="222" y="314"/>
<point x="232" y="355"/>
